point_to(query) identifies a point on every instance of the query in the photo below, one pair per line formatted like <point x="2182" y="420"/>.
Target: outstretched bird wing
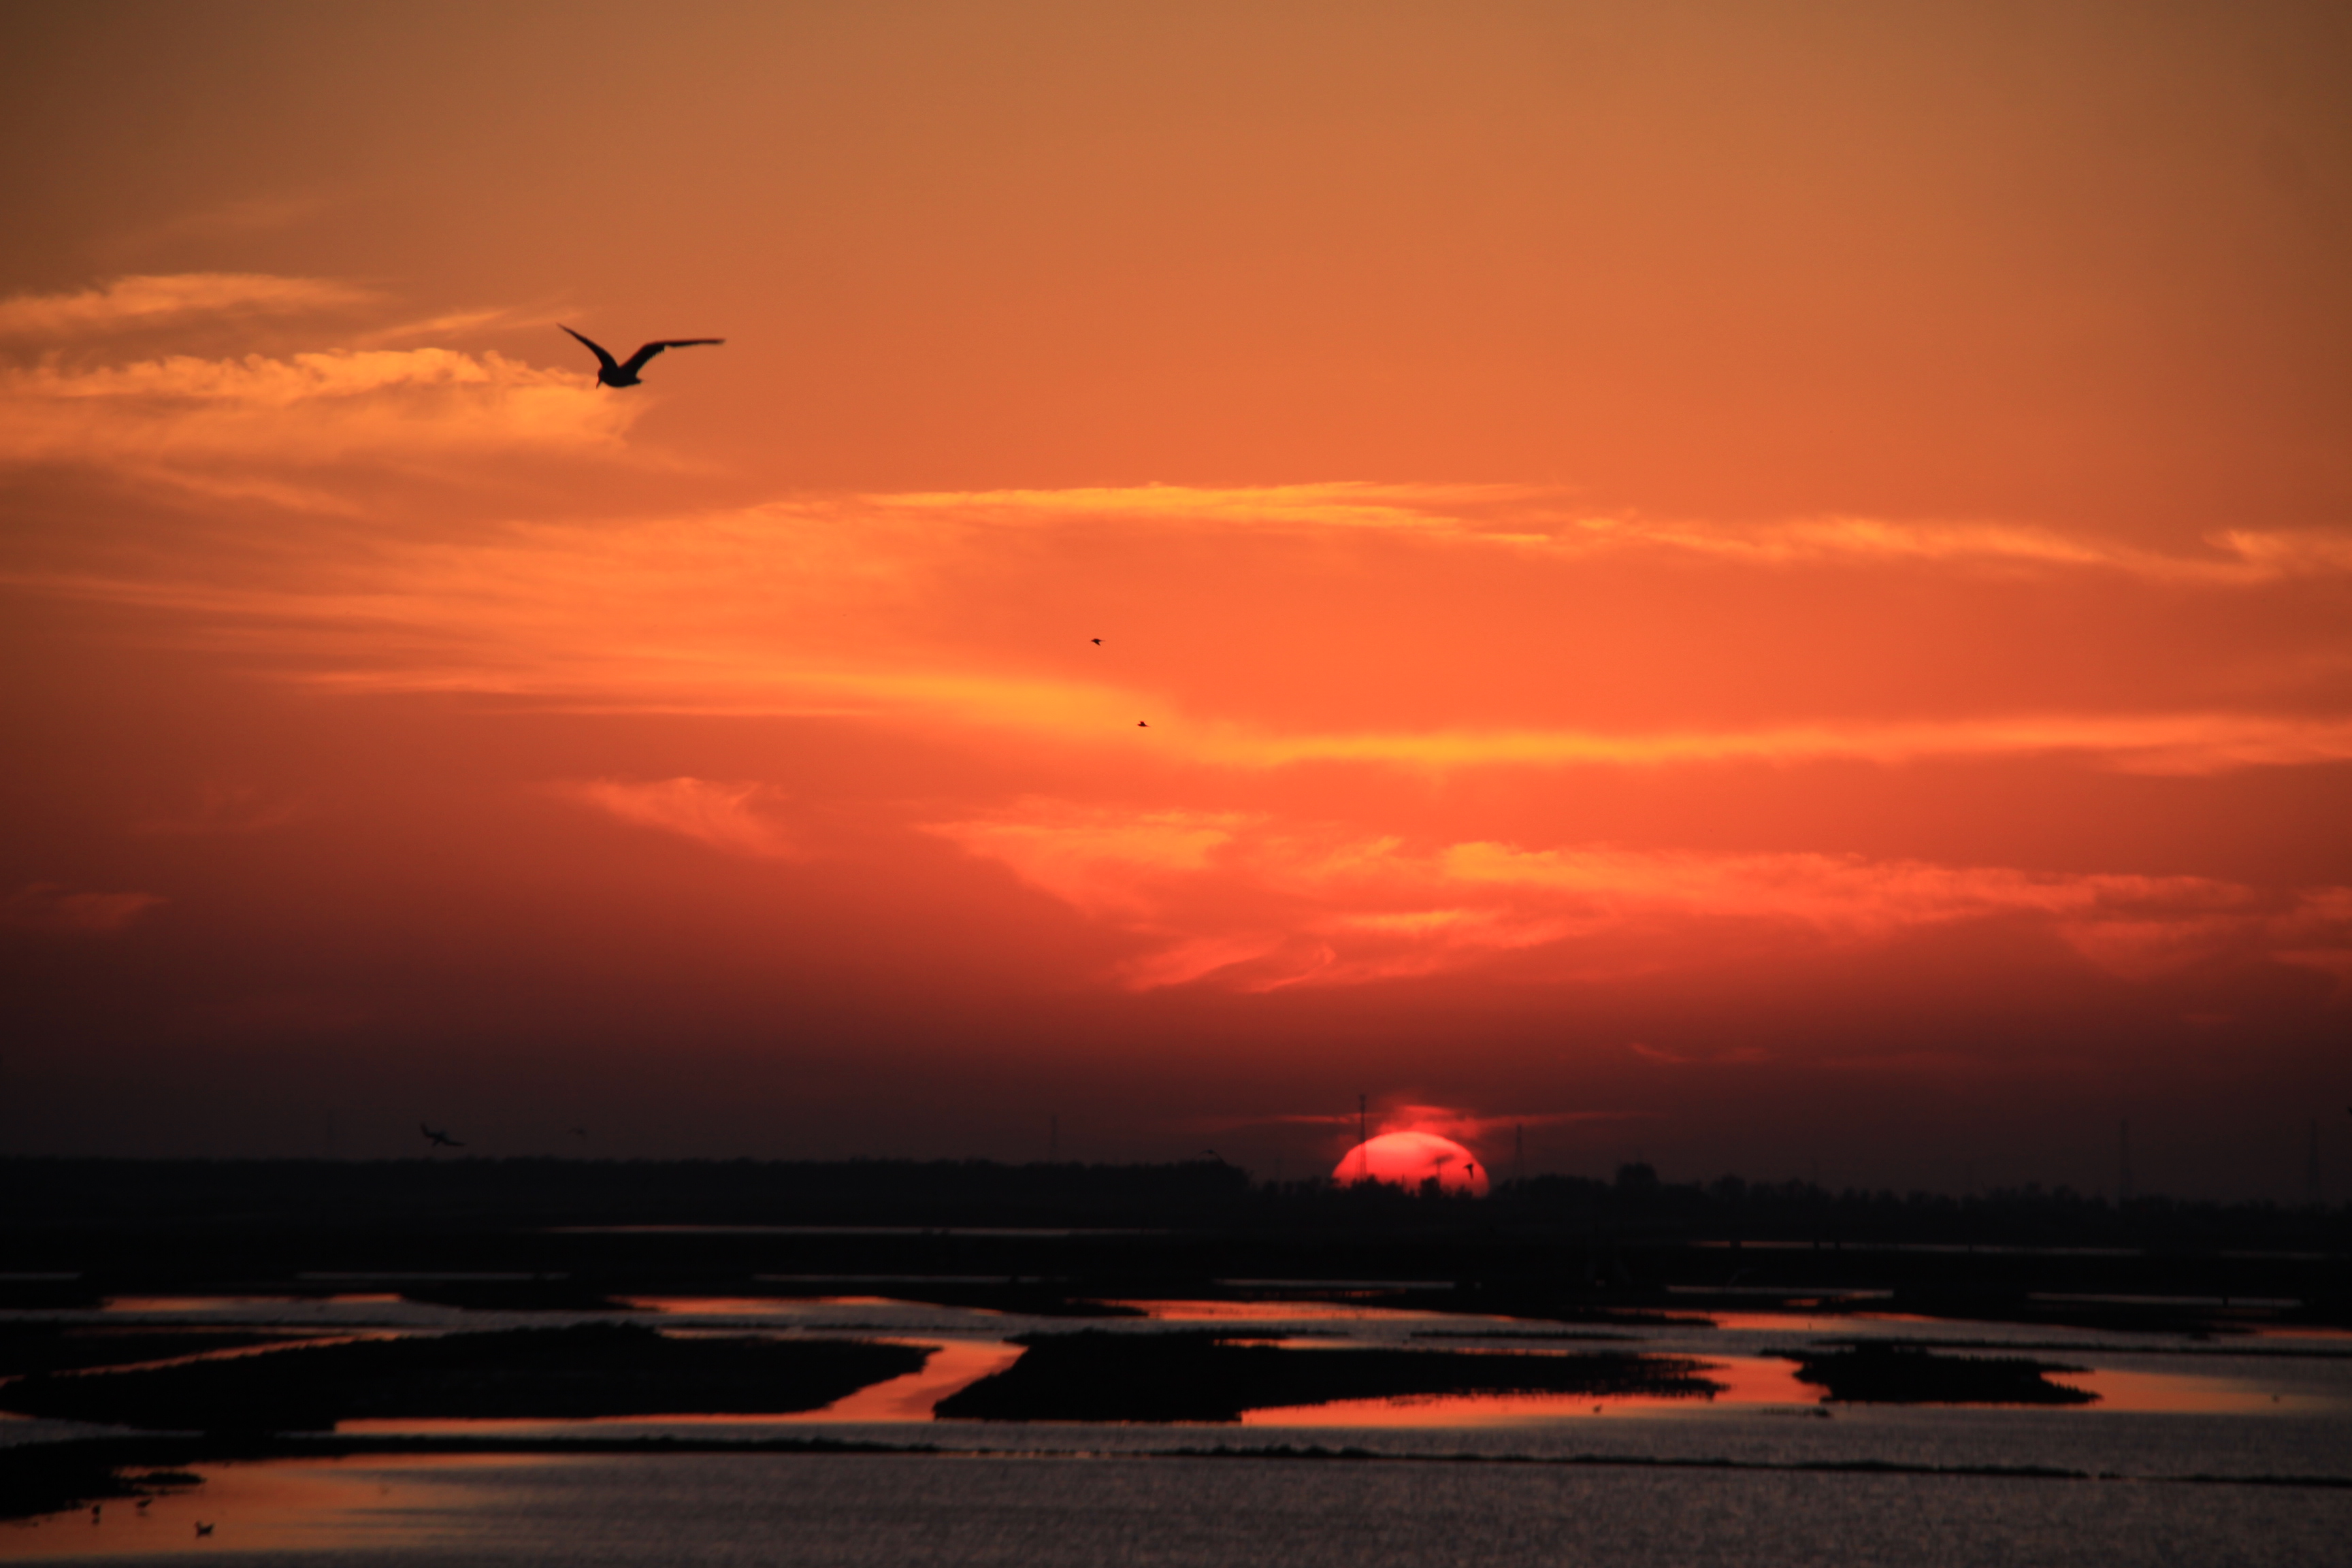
<point x="603" y="358"/>
<point x="638" y="360"/>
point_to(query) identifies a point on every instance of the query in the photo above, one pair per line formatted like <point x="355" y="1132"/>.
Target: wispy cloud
<point x="1664" y="1057"/>
<point x="2153" y="742"/>
<point x="240" y="220"/>
<point x="227" y="810"/>
<point x="1103" y="863"/>
<point x="142" y="302"/>
<point x="1545" y="521"/>
<point x="50" y="908"/>
<point x="725" y="816"/>
<point x="453" y="323"/>
<point x="879" y="608"/>
<point x="1256" y="906"/>
<point x="258" y="417"/>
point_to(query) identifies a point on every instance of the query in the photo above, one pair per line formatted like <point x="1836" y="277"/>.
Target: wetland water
<point x="2177" y="1461"/>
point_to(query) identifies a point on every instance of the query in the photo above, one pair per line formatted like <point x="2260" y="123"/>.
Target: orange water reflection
<point x="1745" y="1379"/>
<point x="952" y="1365"/>
<point x="282" y="1505"/>
<point x="753" y="1306"/>
<point x="2182" y="1393"/>
<point x="1271" y="1312"/>
<point x="200" y="1303"/>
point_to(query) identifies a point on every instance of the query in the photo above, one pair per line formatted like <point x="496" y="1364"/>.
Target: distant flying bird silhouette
<point x="203" y="1529"/>
<point x="440" y="1140"/>
<point x="1141" y="725"/>
<point x="1096" y="641"/>
<point x="611" y="371"/>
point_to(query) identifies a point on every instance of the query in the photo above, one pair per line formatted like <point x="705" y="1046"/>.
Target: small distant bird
<point x="94" y="1510"/>
<point x="580" y="1133"/>
<point x="202" y="1529"/>
<point x="1096" y="641"/>
<point x="1141" y="725"/>
<point x="611" y="371"/>
<point x="143" y="1503"/>
<point x="440" y="1140"/>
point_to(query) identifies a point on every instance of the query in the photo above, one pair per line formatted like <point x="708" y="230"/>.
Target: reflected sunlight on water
<point x="754" y="1306"/>
<point x="1744" y="1380"/>
<point x="2189" y="1394"/>
<point x="177" y="1305"/>
<point x="283" y="1505"/>
<point x="952" y="1365"/>
<point x="916" y="1511"/>
<point x="1276" y="1311"/>
<point x="1090" y="1495"/>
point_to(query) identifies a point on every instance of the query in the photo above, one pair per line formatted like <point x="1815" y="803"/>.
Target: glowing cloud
<point x="1100" y="862"/>
<point x="150" y="302"/>
<point x="301" y="411"/>
<point x="867" y="605"/>
<point x="1258" y="908"/>
<point x="723" y="816"/>
<point x="2153" y="743"/>
<point x="1527" y="519"/>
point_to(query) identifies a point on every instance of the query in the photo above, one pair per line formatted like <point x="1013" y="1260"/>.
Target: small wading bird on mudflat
<point x="611" y="371"/>
<point x="440" y="1140"/>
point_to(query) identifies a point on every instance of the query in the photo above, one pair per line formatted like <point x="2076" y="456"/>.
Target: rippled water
<point x="907" y="1511"/>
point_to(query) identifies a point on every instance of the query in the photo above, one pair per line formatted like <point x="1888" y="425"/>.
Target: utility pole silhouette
<point x="1054" y="1140"/>
<point x="2311" y="1168"/>
<point x="1363" y="1155"/>
<point x="2123" y="1163"/>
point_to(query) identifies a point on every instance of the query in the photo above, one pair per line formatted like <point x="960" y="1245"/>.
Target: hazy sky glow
<point x="1765" y="587"/>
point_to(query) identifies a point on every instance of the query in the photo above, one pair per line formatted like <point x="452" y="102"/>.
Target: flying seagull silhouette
<point x="1096" y="641"/>
<point x="440" y="1140"/>
<point x="1141" y="725"/>
<point x="611" y="371"/>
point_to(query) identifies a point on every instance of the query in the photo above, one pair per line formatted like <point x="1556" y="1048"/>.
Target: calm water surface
<point x="726" y="1508"/>
<point x="1493" y="1481"/>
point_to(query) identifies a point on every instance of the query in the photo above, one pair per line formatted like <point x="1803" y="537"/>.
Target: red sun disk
<point x="1409" y="1159"/>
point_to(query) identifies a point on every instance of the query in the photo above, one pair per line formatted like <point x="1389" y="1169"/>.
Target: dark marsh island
<point x="1905" y="1374"/>
<point x="589" y="1370"/>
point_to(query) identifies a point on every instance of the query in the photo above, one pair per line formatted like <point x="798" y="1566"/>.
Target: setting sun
<point x="1412" y="1160"/>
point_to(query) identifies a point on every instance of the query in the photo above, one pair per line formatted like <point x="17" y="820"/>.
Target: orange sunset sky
<point x="1766" y="585"/>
